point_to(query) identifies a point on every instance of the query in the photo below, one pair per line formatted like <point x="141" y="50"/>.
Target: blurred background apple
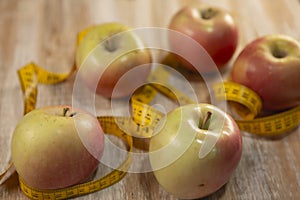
<point x="107" y="52"/>
<point x="212" y="27"/>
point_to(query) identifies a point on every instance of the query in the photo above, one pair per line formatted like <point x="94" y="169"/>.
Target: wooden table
<point x="45" y="32"/>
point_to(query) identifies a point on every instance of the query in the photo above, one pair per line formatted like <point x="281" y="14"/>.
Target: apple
<point x="211" y="27"/>
<point x="106" y="53"/>
<point x="270" y="65"/>
<point x="56" y="147"/>
<point x="196" y="151"/>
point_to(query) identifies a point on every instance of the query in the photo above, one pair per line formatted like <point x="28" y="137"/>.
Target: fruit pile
<point x="198" y="146"/>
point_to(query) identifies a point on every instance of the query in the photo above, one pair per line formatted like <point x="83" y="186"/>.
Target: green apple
<point x="270" y="65"/>
<point x="106" y="53"/>
<point x="56" y="147"/>
<point x="196" y="151"/>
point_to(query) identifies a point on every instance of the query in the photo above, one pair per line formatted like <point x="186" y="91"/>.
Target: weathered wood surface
<point x="45" y="32"/>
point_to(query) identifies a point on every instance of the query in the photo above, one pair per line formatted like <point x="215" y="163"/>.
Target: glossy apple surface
<point x="270" y="65"/>
<point x="56" y="147"/>
<point x="211" y="27"/>
<point x="106" y="53"/>
<point x="191" y="162"/>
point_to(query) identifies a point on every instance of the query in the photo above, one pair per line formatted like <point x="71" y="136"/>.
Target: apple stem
<point x="65" y="111"/>
<point x="110" y="45"/>
<point x="204" y="124"/>
<point x="208" y="14"/>
<point x="277" y="52"/>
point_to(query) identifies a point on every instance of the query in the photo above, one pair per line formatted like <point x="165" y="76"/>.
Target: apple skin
<point x="174" y="152"/>
<point x="212" y="27"/>
<point x="48" y="152"/>
<point x="270" y="65"/>
<point x="106" y="53"/>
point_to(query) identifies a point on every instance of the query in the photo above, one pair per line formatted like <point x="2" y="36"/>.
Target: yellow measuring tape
<point x="145" y="118"/>
<point x="264" y="126"/>
<point x="247" y="104"/>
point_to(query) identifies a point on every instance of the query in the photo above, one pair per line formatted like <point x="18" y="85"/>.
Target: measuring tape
<point x="145" y="118"/>
<point x="264" y="126"/>
<point x="247" y="104"/>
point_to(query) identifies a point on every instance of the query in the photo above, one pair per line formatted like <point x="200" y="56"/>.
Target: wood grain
<point x="45" y="32"/>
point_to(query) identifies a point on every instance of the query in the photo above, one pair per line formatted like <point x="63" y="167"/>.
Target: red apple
<point x="106" y="53"/>
<point x="196" y="151"/>
<point x="212" y="27"/>
<point x="270" y="65"/>
<point x="56" y="147"/>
